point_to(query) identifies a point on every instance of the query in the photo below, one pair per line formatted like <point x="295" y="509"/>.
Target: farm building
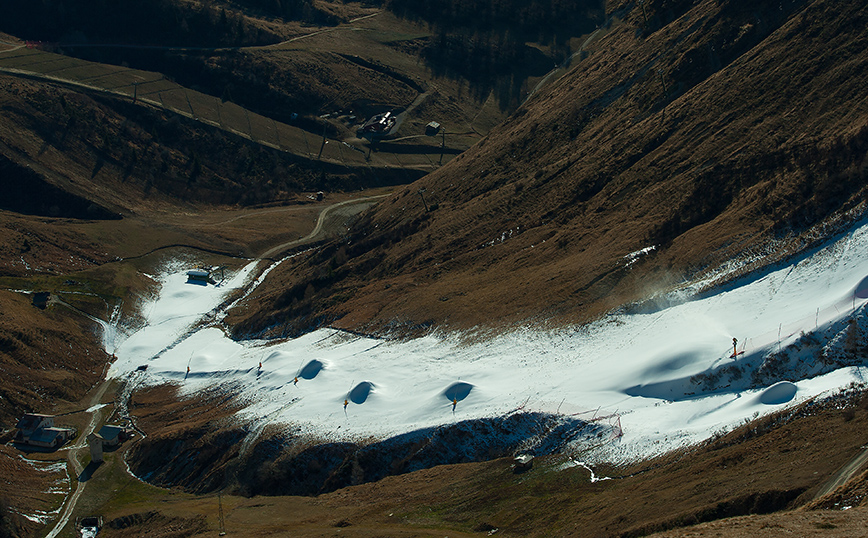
<point x="39" y="431"/>
<point x="206" y="275"/>
<point x="109" y="436"/>
<point x="113" y="435"/>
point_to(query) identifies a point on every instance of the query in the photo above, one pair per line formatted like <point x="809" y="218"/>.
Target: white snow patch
<point x="45" y="466"/>
<point x="575" y="463"/>
<point x="39" y="516"/>
<point x="633" y="257"/>
<point x="95" y="408"/>
<point x="665" y="376"/>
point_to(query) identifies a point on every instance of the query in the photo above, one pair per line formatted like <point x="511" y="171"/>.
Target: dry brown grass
<point x="770" y="465"/>
<point x="56" y="343"/>
<point x="532" y="224"/>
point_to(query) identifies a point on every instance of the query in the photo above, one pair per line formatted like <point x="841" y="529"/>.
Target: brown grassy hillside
<point x="57" y="344"/>
<point x="779" y="463"/>
<point x="132" y="158"/>
<point x="716" y="127"/>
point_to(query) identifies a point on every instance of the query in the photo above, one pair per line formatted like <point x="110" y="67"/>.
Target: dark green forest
<point x="135" y="22"/>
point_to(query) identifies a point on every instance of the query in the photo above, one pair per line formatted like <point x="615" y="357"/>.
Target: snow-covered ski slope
<point x="663" y="377"/>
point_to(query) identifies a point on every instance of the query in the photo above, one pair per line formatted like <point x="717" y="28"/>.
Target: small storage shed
<point x="523" y="463"/>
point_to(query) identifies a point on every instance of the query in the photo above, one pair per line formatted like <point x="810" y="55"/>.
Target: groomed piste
<point x="658" y="379"/>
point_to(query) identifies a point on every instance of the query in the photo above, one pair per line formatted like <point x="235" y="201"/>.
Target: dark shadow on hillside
<point x="331" y="466"/>
<point x="486" y="43"/>
<point x="88" y="471"/>
<point x="27" y="192"/>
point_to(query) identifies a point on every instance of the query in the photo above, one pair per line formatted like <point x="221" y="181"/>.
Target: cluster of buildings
<point x="39" y="431"/>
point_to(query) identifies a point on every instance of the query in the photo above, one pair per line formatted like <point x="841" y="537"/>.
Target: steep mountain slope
<point x="130" y="158"/>
<point x="61" y="348"/>
<point x="704" y="130"/>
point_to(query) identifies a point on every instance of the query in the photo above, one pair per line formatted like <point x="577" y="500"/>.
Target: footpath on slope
<point x="318" y="233"/>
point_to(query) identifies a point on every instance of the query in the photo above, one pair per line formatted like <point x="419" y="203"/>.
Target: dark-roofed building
<point x="113" y="434"/>
<point x="38" y="430"/>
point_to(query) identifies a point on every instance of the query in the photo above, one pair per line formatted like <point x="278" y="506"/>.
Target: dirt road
<point x="844" y="474"/>
<point x="72" y="455"/>
<point x="361" y="203"/>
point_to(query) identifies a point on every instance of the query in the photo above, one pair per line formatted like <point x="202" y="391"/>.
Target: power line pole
<point x="221" y="525"/>
<point x="644" y="13"/>
<point x="442" y="146"/>
<point x="322" y="146"/>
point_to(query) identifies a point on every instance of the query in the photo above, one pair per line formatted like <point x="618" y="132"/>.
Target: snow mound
<point x="458" y="391"/>
<point x="360" y="392"/>
<point x="779" y="393"/>
<point x="861" y="291"/>
<point x="311" y="369"/>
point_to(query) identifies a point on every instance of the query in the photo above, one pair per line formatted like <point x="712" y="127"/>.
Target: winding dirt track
<point x="318" y="229"/>
<point x="844" y="474"/>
